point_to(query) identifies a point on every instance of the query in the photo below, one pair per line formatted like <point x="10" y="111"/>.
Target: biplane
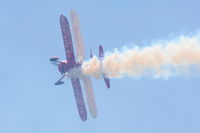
<point x="71" y="67"/>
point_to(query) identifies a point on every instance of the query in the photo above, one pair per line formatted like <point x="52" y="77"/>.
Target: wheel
<point x="59" y="83"/>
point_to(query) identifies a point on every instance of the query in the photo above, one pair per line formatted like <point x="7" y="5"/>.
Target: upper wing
<point x="67" y="39"/>
<point x="77" y="36"/>
<point x="79" y="98"/>
<point x="90" y="95"/>
<point x="80" y="56"/>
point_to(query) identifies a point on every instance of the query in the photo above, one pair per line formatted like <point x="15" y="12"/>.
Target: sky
<point x="30" y="34"/>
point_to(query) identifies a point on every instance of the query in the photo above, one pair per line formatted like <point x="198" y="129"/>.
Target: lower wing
<point x="90" y="95"/>
<point x="79" y="98"/>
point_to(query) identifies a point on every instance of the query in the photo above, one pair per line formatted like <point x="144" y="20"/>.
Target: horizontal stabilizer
<point x="101" y="55"/>
<point x="107" y="81"/>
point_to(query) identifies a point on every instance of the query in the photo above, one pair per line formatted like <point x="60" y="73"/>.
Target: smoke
<point x="161" y="59"/>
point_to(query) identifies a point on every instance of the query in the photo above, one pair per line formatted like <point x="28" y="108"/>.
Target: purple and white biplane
<point x="71" y="68"/>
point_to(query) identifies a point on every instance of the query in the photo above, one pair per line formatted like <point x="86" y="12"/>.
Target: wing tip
<point x="84" y="118"/>
<point x="62" y="17"/>
<point x="73" y="11"/>
<point x="94" y="115"/>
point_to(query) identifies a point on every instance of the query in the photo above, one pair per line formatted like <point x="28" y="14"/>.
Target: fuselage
<point x="65" y="67"/>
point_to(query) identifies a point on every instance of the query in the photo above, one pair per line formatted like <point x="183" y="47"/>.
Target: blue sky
<point x="30" y="34"/>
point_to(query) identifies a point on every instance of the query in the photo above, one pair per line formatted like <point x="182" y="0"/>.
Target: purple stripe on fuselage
<point x="79" y="98"/>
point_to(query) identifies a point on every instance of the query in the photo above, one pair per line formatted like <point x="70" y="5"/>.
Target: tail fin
<point x="101" y="52"/>
<point x="101" y="55"/>
<point x="91" y="55"/>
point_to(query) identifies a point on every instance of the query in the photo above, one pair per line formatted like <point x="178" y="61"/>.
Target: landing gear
<point x="59" y="82"/>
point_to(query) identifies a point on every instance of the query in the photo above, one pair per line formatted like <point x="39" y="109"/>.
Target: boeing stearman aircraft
<point x="71" y="68"/>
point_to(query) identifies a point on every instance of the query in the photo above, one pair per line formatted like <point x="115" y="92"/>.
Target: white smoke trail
<point x="162" y="59"/>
